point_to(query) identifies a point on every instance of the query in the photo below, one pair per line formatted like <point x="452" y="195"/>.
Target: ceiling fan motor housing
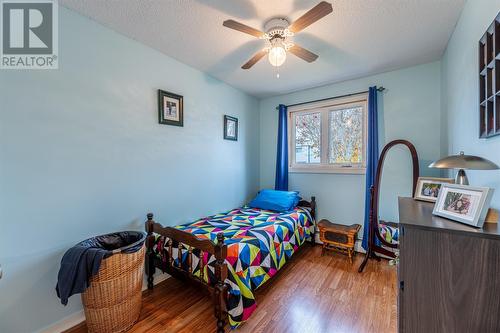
<point x="277" y="33"/>
<point x="276" y="26"/>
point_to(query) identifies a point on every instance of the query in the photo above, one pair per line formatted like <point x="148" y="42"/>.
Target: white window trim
<point x="315" y="107"/>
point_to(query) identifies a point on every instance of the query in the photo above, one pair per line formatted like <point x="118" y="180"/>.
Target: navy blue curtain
<point x="372" y="157"/>
<point x="281" y="180"/>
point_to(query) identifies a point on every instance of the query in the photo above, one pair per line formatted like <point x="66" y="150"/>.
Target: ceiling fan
<point x="278" y="33"/>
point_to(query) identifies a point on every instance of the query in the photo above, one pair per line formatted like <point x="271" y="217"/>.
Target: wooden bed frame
<point x="186" y="240"/>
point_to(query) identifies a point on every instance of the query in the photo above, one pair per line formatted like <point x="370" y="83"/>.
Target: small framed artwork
<point x="230" y="128"/>
<point x="170" y="108"/>
<point x="463" y="203"/>
<point x="428" y="188"/>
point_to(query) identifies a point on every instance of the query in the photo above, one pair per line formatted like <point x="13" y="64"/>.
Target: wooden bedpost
<point x="313" y="207"/>
<point x="313" y="214"/>
<point x="220" y="288"/>
<point x="150" y="240"/>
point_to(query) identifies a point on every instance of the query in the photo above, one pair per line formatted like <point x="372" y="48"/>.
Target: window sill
<point x="347" y="171"/>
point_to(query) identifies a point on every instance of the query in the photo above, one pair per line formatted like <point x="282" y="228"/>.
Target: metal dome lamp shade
<point x="463" y="162"/>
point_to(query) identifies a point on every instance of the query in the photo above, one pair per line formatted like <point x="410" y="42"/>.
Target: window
<point x="328" y="136"/>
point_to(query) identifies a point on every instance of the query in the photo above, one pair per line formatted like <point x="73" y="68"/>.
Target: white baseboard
<point x="78" y="317"/>
<point x="159" y="277"/>
<point x="66" y="323"/>
<point x="358" y="247"/>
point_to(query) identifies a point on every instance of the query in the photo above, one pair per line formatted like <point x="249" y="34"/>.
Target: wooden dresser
<point x="448" y="273"/>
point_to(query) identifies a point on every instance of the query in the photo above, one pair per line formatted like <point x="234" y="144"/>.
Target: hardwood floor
<point x="311" y="294"/>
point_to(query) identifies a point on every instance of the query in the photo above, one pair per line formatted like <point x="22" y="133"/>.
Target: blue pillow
<point x="280" y="201"/>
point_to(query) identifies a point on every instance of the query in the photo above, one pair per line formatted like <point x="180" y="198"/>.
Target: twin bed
<point x="230" y="254"/>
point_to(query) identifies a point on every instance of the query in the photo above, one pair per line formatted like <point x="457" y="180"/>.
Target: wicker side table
<point x="338" y="237"/>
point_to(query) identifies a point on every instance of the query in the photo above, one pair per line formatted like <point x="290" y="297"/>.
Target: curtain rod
<point x="379" y="89"/>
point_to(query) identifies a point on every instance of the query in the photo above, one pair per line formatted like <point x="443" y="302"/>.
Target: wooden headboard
<point x="311" y="204"/>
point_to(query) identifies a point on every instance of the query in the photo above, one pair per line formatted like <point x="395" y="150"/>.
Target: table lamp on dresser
<point x="463" y="162"/>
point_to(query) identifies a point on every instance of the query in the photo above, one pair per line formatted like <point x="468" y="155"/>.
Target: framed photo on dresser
<point x="463" y="203"/>
<point x="428" y="188"/>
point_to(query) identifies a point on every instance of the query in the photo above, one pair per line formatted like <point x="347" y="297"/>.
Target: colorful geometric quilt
<point x="389" y="233"/>
<point x="259" y="242"/>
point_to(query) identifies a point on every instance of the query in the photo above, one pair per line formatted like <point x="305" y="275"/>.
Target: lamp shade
<point x="463" y="161"/>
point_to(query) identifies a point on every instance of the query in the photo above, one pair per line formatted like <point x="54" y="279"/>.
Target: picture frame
<point x="170" y="108"/>
<point x="230" y="128"/>
<point x="428" y="188"/>
<point x="463" y="203"/>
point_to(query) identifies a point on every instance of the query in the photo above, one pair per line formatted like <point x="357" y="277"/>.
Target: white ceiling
<point x="360" y="37"/>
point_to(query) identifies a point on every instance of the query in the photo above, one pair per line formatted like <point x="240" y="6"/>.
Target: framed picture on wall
<point x="428" y="188"/>
<point x="170" y="108"/>
<point x="230" y="128"/>
<point x="463" y="203"/>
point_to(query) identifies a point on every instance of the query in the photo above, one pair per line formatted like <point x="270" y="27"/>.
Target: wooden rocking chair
<point x="373" y="230"/>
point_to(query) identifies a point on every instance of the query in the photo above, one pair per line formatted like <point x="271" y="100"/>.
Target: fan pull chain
<point x="277" y="71"/>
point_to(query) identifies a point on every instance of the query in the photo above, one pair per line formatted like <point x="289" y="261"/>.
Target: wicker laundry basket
<point x="113" y="301"/>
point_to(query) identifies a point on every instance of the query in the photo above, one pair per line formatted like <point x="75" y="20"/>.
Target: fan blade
<point x="232" y="24"/>
<point x="319" y="11"/>
<point x="303" y="53"/>
<point x="254" y="59"/>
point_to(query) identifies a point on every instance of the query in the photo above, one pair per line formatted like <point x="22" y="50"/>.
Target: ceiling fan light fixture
<point x="277" y="33"/>
<point x="277" y="55"/>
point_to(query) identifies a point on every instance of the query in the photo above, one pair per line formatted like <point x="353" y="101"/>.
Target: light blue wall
<point x="408" y="109"/>
<point x="461" y="93"/>
<point x="82" y="153"/>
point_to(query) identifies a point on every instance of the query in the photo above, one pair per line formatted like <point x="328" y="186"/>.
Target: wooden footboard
<point x="188" y="241"/>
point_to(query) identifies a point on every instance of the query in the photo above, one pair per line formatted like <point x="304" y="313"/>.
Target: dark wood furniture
<point x="448" y="273"/>
<point x="218" y="290"/>
<point x="489" y="81"/>
<point x="374" y="237"/>
<point x="338" y="237"/>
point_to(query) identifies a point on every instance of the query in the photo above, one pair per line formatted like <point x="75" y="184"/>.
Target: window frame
<point x="324" y="107"/>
